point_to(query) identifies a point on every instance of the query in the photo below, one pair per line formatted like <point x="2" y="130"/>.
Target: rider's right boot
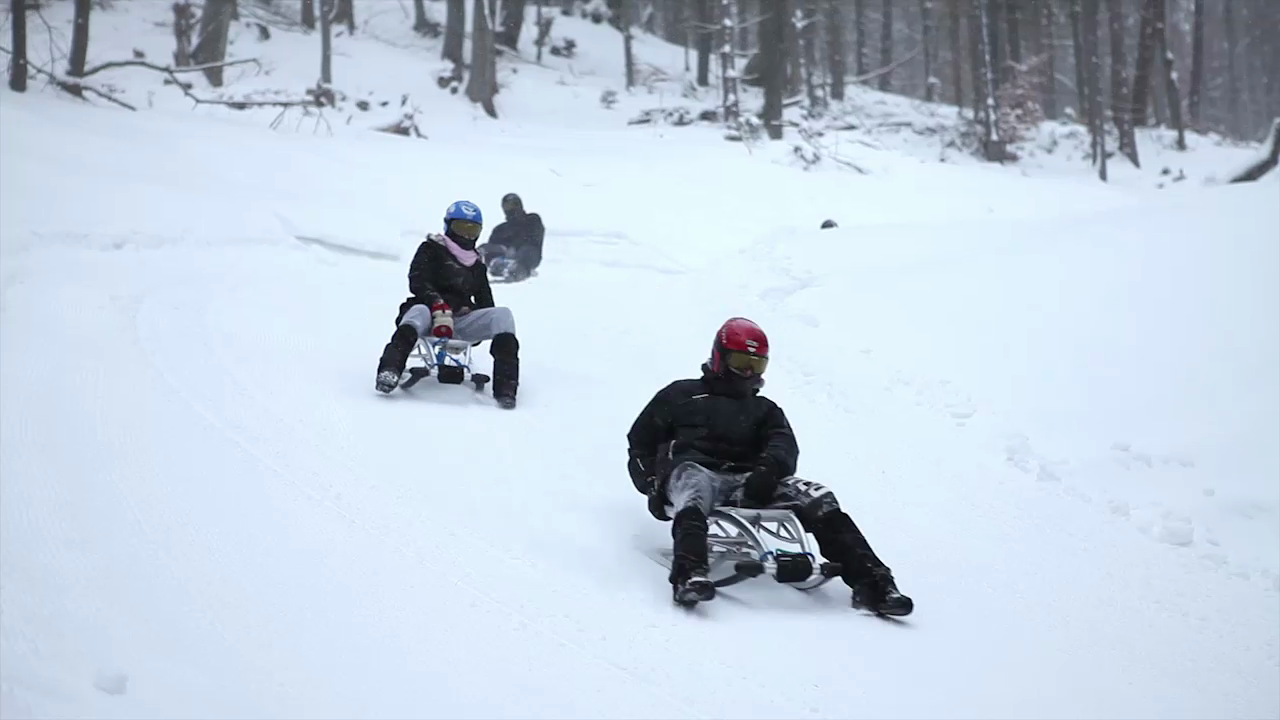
<point x="394" y="356"/>
<point x="689" y="583"/>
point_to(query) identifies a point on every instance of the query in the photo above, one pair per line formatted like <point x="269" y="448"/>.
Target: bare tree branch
<point x="166" y="69"/>
<point x="73" y="88"/>
<point x="172" y="73"/>
<point x="887" y="68"/>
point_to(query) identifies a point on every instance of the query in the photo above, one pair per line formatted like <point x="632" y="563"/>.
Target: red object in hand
<point x="441" y="320"/>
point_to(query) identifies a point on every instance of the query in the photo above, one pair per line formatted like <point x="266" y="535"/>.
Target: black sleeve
<point x="647" y="433"/>
<point x="781" y="453"/>
<point x="484" y="291"/>
<point x="501" y="235"/>
<point x="420" y="275"/>
<point x="537" y="232"/>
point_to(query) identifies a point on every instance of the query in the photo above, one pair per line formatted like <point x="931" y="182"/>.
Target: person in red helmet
<point x="715" y="441"/>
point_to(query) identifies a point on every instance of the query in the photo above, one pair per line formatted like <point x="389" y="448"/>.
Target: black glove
<point x="658" y="504"/>
<point x="641" y="475"/>
<point x="758" y="489"/>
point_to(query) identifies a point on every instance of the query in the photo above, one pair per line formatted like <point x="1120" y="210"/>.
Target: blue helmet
<point x="463" y="210"/>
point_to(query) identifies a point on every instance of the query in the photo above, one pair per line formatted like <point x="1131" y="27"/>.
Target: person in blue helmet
<point x="450" y="297"/>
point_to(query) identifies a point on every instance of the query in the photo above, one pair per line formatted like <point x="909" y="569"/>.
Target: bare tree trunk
<point x="327" y="12"/>
<point x="992" y="145"/>
<point x="1011" y="18"/>
<point x="628" y="61"/>
<point x="1002" y="71"/>
<point x="957" y="54"/>
<point x="79" y="39"/>
<point x="455" y="30"/>
<point x="309" y="14"/>
<point x="346" y="13"/>
<point x="419" y="16"/>
<point x="835" y="49"/>
<point x="544" y="32"/>
<point x="183" y="23"/>
<point x="859" y="37"/>
<point x="1097" y="127"/>
<point x="1081" y="62"/>
<point x="1233" y="79"/>
<point x="886" y="46"/>
<point x="211" y="48"/>
<point x="1197" y="64"/>
<point x="728" y="68"/>
<point x="1173" y="95"/>
<point x="1142" y="71"/>
<point x="928" y="33"/>
<point x="704" y="40"/>
<point x="773" y="64"/>
<point x="482" y="86"/>
<point x="18" y="62"/>
<point x="1049" y="39"/>
<point x="1120" y="114"/>
<point x="808" y="51"/>
<point x="513" y="21"/>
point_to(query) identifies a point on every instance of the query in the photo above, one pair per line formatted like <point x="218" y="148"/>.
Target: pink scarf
<point x="464" y="256"/>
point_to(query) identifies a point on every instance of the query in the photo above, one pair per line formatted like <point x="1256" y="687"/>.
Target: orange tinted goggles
<point x="741" y="362"/>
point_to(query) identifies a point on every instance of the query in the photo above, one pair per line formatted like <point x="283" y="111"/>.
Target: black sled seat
<point x="743" y="543"/>
<point x="448" y="357"/>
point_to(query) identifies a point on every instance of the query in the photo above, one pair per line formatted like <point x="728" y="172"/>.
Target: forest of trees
<point x="1112" y="65"/>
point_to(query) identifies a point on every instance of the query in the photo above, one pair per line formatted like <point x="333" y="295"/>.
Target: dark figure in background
<point x="514" y="249"/>
<point x="714" y="442"/>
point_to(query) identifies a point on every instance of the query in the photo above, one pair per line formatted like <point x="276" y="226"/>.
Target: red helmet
<point x="741" y="347"/>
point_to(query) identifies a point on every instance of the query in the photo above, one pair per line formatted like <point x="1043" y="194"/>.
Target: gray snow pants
<point x="691" y="485"/>
<point x="479" y="324"/>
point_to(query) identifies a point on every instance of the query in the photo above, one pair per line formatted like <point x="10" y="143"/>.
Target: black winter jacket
<point x="435" y="274"/>
<point x="521" y="232"/>
<point x="711" y="421"/>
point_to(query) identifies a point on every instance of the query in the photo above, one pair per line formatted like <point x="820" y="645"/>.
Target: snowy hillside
<point x="1053" y="405"/>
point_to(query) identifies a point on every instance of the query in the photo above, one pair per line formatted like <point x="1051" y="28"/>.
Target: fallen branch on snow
<point x="1267" y="162"/>
<point x="72" y="88"/>
<point x="172" y="73"/>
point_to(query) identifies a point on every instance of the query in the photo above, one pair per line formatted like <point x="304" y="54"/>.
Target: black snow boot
<point x="869" y="578"/>
<point x="394" y="357"/>
<point x="879" y="594"/>
<point x="505" y="350"/>
<point x="689" y="565"/>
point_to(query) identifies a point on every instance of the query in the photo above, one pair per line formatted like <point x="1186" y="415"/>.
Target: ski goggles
<point x="468" y="229"/>
<point x="744" y="363"/>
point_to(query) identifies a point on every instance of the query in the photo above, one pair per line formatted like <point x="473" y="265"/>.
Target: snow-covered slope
<point x="1052" y="404"/>
<point x="205" y="510"/>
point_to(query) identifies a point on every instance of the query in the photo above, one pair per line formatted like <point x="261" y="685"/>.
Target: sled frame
<point x="448" y="358"/>
<point x="745" y="542"/>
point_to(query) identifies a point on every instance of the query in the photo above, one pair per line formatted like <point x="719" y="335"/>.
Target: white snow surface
<point x="1053" y="405"/>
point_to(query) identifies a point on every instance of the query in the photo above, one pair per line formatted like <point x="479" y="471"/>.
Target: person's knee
<point x="691" y="485"/>
<point x="502" y="321"/>
<point x="418" y="316"/>
<point x="811" y="501"/>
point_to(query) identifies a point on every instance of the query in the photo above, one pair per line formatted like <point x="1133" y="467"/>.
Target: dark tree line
<point x="1118" y="64"/>
<point x="1109" y="64"/>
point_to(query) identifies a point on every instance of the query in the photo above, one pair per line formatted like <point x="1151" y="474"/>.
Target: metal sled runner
<point x="448" y="357"/>
<point x="743" y="543"/>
